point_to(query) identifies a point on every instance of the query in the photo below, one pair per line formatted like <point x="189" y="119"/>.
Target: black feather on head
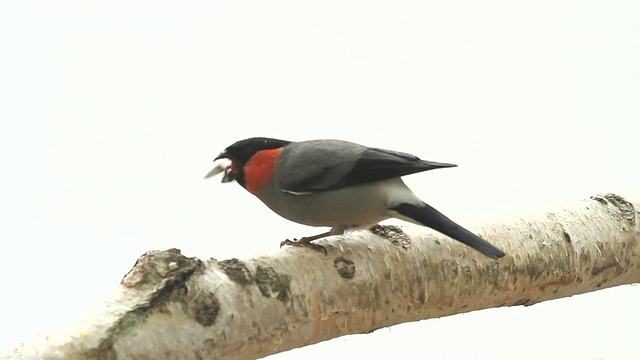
<point x="241" y="151"/>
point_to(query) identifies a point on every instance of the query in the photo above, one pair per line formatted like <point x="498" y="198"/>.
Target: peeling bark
<point x="171" y="306"/>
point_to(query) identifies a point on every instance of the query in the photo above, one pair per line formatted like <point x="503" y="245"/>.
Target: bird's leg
<point x="306" y="242"/>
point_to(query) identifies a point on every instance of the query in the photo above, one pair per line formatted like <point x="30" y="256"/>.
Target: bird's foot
<point x="304" y="242"/>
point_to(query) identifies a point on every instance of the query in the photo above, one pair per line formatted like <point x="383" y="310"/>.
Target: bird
<point x="337" y="184"/>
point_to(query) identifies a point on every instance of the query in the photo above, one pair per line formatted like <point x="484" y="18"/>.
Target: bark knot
<point x="237" y="271"/>
<point x="625" y="208"/>
<point x="273" y="284"/>
<point x="345" y="267"/>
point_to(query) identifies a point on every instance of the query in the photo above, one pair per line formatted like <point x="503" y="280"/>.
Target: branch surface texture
<point x="174" y="307"/>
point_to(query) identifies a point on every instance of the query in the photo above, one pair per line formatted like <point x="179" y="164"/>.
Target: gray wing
<point x="318" y="165"/>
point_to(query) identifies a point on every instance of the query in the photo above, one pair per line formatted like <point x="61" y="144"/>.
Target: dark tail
<point x="428" y="216"/>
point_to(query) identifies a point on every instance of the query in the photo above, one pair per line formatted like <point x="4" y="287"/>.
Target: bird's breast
<point x="260" y="170"/>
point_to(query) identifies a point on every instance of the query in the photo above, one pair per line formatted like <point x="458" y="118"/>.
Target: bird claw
<point x="304" y="243"/>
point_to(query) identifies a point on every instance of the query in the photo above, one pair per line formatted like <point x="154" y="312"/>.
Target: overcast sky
<point x="111" y="113"/>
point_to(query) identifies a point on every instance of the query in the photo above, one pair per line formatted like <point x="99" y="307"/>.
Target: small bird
<point x="339" y="184"/>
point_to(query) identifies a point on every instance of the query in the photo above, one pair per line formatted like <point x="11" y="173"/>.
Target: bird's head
<point x="239" y="154"/>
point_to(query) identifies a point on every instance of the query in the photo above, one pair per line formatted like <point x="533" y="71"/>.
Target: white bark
<point x="170" y="306"/>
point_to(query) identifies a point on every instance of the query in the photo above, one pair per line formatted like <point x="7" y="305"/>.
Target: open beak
<point x="223" y="166"/>
<point x="229" y="175"/>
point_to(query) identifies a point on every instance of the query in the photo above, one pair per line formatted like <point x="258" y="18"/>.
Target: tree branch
<point x="171" y="306"/>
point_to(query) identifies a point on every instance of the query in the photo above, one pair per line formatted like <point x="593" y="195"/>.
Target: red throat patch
<point x="259" y="170"/>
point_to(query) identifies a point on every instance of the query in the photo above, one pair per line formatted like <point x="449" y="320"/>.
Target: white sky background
<point x="111" y="113"/>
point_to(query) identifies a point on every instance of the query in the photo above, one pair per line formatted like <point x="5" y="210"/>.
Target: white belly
<point x="352" y="207"/>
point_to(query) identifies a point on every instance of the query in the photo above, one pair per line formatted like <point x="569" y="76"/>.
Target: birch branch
<point x="171" y="306"/>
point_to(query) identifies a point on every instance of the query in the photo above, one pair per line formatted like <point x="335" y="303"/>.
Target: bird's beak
<point x="222" y="166"/>
<point x="222" y="155"/>
<point x="229" y="174"/>
<point x="215" y="171"/>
